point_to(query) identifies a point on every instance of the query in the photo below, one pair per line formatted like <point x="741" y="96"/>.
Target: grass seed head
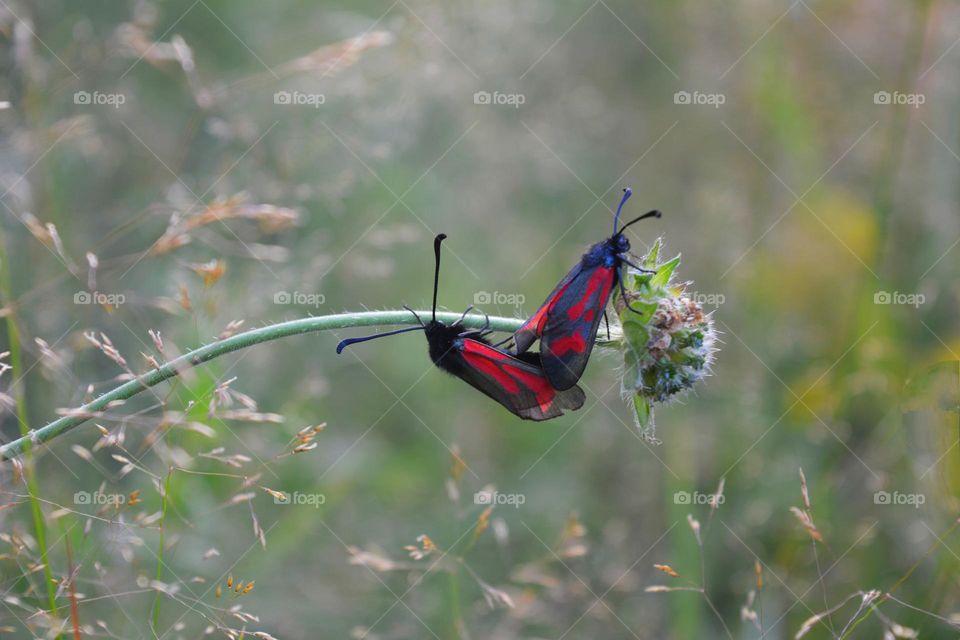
<point x="807" y="522"/>
<point x="695" y="527"/>
<point x="803" y="490"/>
<point x="482" y="522"/>
<point x="426" y="547"/>
<point x="209" y="272"/>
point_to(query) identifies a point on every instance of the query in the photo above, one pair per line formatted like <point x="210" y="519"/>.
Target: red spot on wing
<point x="480" y="357"/>
<point x="537" y="383"/>
<point x="599" y="279"/>
<point x="538" y="321"/>
<point x="564" y="344"/>
<point x="608" y="283"/>
<point x="501" y="368"/>
<point x="576" y="340"/>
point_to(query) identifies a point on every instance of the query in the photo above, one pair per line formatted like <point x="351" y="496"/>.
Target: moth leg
<point x="465" y="312"/>
<point x="478" y="332"/>
<point x="623" y="294"/>
<point x="637" y="267"/>
<point x="414" y="314"/>
<point x="606" y="321"/>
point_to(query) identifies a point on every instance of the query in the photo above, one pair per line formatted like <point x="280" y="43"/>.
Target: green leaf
<point x="642" y="413"/>
<point x="665" y="272"/>
<point x="636" y="280"/>
<point x="635" y="332"/>
<point x="650" y="260"/>
<point x="645" y="309"/>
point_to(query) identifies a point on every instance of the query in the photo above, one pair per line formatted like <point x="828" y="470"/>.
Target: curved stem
<point x="235" y="343"/>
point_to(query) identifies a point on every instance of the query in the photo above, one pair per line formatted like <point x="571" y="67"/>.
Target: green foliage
<point x="795" y="204"/>
<point x="668" y="340"/>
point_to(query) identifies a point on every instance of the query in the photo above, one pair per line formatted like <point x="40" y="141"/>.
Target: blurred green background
<point x="213" y="155"/>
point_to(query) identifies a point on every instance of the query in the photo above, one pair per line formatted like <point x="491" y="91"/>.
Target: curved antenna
<point x="627" y="192"/>
<point x="436" y="271"/>
<point x="649" y="214"/>
<point x="349" y="341"/>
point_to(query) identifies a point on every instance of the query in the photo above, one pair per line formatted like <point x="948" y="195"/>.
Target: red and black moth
<point x="566" y="323"/>
<point x="516" y="381"/>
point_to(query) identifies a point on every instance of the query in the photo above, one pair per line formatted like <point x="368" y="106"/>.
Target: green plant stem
<point x="455" y="613"/>
<point x="163" y="530"/>
<point x="235" y="343"/>
<point x="29" y="473"/>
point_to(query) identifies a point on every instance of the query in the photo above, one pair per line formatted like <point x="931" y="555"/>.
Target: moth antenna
<point x="436" y="271"/>
<point x="627" y="192"/>
<point x="346" y="343"/>
<point x="649" y="214"/>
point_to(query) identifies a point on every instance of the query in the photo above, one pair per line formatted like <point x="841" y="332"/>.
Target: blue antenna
<point x="350" y="341"/>
<point x="627" y="192"/>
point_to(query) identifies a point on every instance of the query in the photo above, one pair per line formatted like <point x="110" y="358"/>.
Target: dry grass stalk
<point x="807" y="523"/>
<point x="271" y="219"/>
<point x="667" y="569"/>
<point x="372" y="560"/>
<point x="426" y="547"/>
<point x="106" y="347"/>
<point x="328" y="59"/>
